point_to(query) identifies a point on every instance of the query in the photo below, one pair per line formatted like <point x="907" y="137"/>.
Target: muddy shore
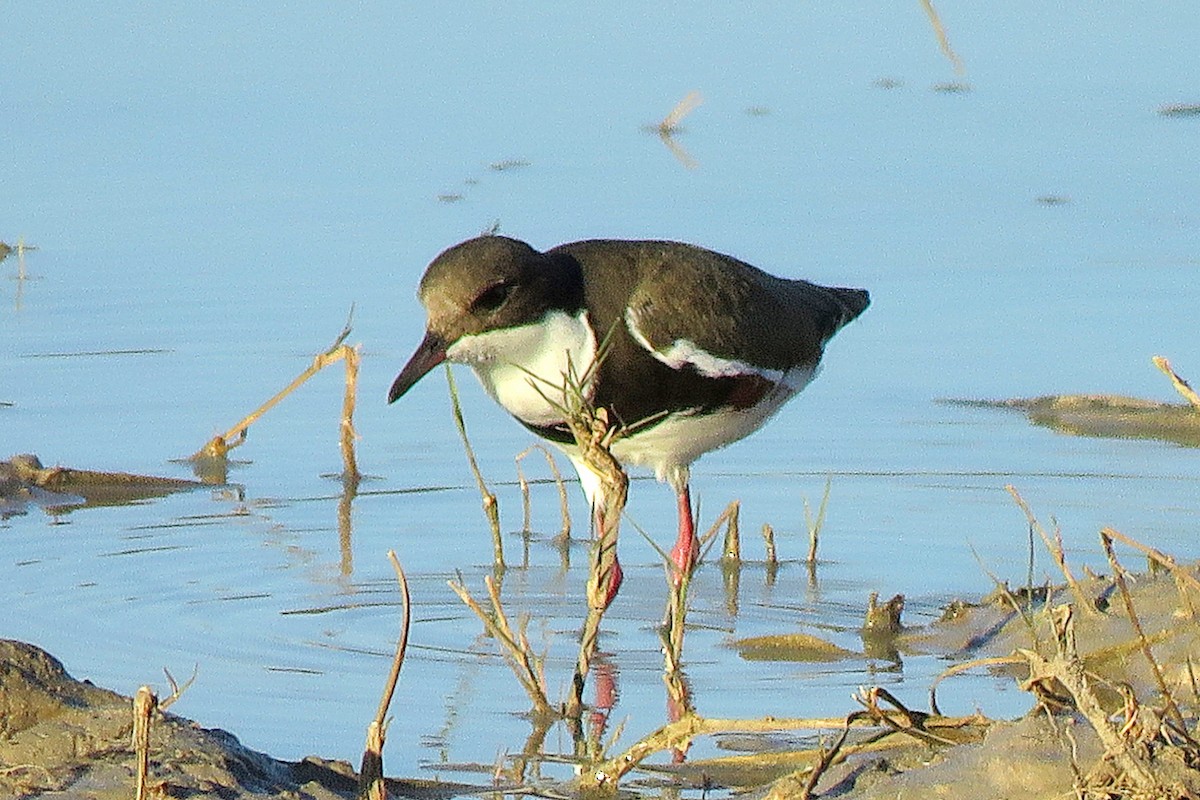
<point x="65" y="738"/>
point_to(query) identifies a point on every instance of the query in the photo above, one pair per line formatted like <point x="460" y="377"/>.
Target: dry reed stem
<point x="491" y="509"/>
<point x="1067" y="668"/>
<point x="732" y="551"/>
<point x="943" y="40"/>
<point x="1143" y="642"/>
<point x="144" y="705"/>
<point x="371" y="782"/>
<point x="1181" y="575"/>
<point x="1181" y="386"/>
<point x="1055" y="547"/>
<point x="563" y="503"/>
<point x="815" y="525"/>
<point x="525" y="665"/>
<point x="526" y="510"/>
<point x="768" y="534"/>
<point x="219" y="446"/>
<point x="801" y="783"/>
<point x="594" y="433"/>
<point x="350" y="474"/>
<point x="176" y="690"/>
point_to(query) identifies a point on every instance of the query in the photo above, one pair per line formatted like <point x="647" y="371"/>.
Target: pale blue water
<point x="218" y="184"/>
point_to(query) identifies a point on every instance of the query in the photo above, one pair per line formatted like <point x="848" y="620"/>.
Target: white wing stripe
<point x="684" y="352"/>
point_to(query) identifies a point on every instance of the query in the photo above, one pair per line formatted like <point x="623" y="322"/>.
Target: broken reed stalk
<point x="815" y="524"/>
<point x="219" y="446"/>
<point x="525" y="665"/>
<point x="350" y="474"/>
<point x="144" y="705"/>
<point x="526" y="510"/>
<point x="1181" y="386"/>
<point x="1055" y="547"/>
<point x="732" y="551"/>
<point x="490" y="507"/>
<point x="768" y="534"/>
<point x="1144" y="643"/>
<point x="564" y="505"/>
<point x="371" y="783"/>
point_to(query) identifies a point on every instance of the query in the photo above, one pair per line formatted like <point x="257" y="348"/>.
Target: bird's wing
<point x="746" y="323"/>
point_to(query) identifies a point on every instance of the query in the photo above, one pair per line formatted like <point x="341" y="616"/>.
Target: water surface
<point x="211" y="189"/>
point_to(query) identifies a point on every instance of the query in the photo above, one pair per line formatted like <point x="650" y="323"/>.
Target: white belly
<point x="528" y="380"/>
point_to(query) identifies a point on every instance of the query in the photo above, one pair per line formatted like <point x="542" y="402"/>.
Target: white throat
<point x="524" y="369"/>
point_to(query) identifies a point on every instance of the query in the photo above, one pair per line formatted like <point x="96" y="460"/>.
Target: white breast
<point x="524" y="368"/>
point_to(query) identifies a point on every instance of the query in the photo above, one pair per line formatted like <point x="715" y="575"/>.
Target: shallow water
<point x="211" y="190"/>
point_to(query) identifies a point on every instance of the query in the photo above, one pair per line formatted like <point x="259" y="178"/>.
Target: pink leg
<point x="616" y="576"/>
<point x="686" y="551"/>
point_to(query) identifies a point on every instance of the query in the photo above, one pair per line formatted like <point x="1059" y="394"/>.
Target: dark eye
<point x="492" y="297"/>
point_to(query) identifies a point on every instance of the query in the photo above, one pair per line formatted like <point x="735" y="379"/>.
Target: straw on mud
<point x="490" y="507"/>
<point x="1055" y="547"/>
<point x="1181" y="386"/>
<point x="604" y="775"/>
<point x="1068" y="670"/>
<point x="371" y="784"/>
<point x="1119" y="577"/>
